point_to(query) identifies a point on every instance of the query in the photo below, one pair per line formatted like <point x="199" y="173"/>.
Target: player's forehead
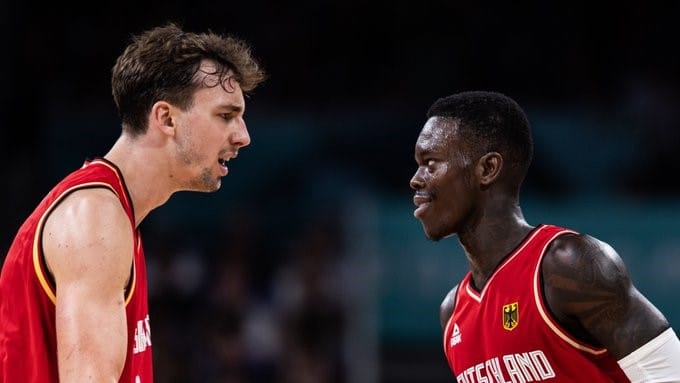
<point x="220" y="87"/>
<point x="437" y="133"/>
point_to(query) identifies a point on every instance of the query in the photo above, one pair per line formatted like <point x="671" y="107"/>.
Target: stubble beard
<point x="205" y="181"/>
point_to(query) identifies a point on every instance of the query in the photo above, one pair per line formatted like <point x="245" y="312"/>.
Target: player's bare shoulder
<point x="588" y="288"/>
<point x="585" y="285"/>
<point x="583" y="262"/>
<point x="88" y="221"/>
<point x="87" y="209"/>
<point x="447" y="306"/>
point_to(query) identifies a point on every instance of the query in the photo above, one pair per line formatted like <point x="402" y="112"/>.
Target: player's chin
<point x="207" y="186"/>
<point x="211" y="182"/>
<point x="218" y="185"/>
<point x="213" y="187"/>
<point x="433" y="237"/>
<point x="432" y="233"/>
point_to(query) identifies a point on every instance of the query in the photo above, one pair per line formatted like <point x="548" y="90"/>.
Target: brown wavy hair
<point x="162" y="63"/>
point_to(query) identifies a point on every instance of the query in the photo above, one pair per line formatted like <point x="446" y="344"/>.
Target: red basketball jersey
<point x="28" y="345"/>
<point x="506" y="334"/>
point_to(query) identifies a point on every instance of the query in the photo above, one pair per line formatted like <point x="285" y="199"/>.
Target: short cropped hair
<point x="161" y="64"/>
<point x="490" y="121"/>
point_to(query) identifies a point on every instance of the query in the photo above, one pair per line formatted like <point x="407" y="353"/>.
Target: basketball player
<point x="73" y="293"/>
<point x="539" y="302"/>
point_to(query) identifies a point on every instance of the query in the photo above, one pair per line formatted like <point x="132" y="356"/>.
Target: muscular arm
<point x="589" y="290"/>
<point x="88" y="247"/>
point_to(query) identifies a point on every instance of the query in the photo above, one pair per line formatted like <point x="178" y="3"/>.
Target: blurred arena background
<point x="307" y="266"/>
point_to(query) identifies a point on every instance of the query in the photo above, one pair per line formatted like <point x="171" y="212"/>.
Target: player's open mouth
<point x="224" y="170"/>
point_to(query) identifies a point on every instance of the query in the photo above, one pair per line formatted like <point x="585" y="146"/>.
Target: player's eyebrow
<point x="232" y="107"/>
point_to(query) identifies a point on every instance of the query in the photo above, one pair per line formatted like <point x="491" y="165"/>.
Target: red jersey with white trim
<point x="506" y="334"/>
<point x="28" y="345"/>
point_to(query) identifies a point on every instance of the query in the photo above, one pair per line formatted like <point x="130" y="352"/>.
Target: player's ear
<point x="162" y="117"/>
<point x="489" y="168"/>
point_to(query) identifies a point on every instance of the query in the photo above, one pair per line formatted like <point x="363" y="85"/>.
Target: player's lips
<point x="224" y="170"/>
<point x="421" y="200"/>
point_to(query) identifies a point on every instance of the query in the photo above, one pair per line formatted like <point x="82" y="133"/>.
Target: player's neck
<point x="491" y="241"/>
<point x="140" y="165"/>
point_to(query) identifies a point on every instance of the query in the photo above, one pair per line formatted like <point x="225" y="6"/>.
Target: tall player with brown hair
<point x="540" y="303"/>
<point x="73" y="293"/>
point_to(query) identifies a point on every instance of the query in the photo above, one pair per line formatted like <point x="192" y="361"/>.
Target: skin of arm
<point x="446" y="308"/>
<point x="589" y="291"/>
<point x="88" y="246"/>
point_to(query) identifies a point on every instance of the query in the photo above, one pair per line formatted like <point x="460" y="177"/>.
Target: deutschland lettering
<point x="513" y="368"/>
<point x="142" y="336"/>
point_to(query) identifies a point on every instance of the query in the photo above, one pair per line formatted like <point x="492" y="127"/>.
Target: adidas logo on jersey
<point x="455" y="336"/>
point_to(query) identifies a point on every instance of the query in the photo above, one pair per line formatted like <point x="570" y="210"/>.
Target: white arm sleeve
<point x="656" y="361"/>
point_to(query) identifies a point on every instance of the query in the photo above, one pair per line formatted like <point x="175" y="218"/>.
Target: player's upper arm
<point x="88" y="247"/>
<point x="588" y="289"/>
<point x="446" y="308"/>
